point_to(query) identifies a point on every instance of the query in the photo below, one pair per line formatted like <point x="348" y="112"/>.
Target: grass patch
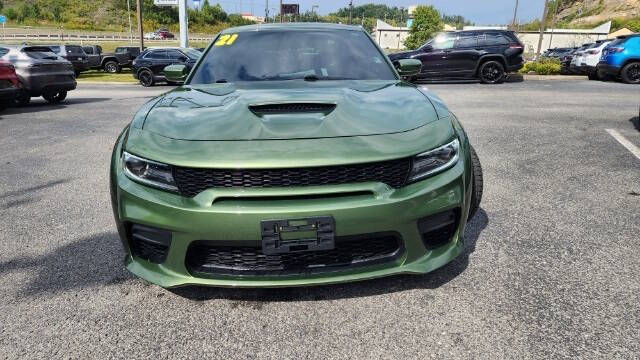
<point x="101" y="76"/>
<point x="542" y="67"/>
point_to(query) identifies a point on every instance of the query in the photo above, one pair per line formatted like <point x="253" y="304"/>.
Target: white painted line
<point x="626" y="143"/>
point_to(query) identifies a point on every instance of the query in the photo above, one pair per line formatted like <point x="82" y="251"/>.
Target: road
<point x="551" y="269"/>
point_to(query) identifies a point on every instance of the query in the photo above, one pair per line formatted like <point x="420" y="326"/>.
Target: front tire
<point x="56" y="97"/>
<point x="146" y="78"/>
<point x="491" y="72"/>
<point x="477" y="184"/>
<point x="112" y="67"/>
<point x="631" y="73"/>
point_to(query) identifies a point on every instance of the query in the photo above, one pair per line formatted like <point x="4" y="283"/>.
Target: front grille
<point x="207" y="257"/>
<point x="192" y="181"/>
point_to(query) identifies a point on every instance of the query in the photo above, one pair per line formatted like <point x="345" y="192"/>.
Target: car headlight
<point x="148" y="172"/>
<point x="434" y="161"/>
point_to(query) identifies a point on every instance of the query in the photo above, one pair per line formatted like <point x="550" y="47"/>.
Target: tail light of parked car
<point x="592" y="52"/>
<point x="516" y="46"/>
<point x="615" y="49"/>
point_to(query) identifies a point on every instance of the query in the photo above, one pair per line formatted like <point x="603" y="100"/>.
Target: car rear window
<point x="494" y="39"/>
<point x="3" y="51"/>
<point x="74" y="50"/>
<point x="39" y="52"/>
<point x="55" y="49"/>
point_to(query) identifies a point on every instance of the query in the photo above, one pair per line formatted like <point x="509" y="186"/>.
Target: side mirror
<point x="408" y="67"/>
<point x="176" y="73"/>
<point x="427" y="48"/>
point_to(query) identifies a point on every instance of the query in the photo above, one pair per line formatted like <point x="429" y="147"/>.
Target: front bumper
<point x="387" y="210"/>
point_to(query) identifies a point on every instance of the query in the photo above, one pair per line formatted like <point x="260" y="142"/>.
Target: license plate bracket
<point x="297" y="235"/>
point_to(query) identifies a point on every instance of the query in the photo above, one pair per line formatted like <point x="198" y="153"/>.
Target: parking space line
<point x="626" y="143"/>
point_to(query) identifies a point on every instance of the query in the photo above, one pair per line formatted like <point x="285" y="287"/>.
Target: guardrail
<point x="81" y="37"/>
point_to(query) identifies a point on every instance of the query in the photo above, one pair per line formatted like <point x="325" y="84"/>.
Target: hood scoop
<point x="292" y="108"/>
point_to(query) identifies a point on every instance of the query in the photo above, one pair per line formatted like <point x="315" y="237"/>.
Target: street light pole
<point x="184" y="28"/>
<point x="350" y="10"/>
<point x="515" y="16"/>
<point x="140" y="30"/>
<point x="280" y="10"/>
<point x="543" y="22"/>
<point x="129" y="16"/>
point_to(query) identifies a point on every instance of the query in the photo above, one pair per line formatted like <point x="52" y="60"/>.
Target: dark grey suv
<point x="40" y="71"/>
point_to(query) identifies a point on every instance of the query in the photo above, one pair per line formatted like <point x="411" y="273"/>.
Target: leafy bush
<point x="426" y="22"/>
<point x="542" y="67"/>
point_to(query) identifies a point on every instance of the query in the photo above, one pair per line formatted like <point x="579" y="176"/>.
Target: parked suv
<point x="480" y="54"/>
<point x="40" y="71"/>
<point x="149" y="66"/>
<point x="74" y="54"/>
<point x="131" y="51"/>
<point x="622" y="58"/>
<point x="591" y="57"/>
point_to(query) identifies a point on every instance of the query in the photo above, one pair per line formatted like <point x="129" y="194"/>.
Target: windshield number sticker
<point x="226" y="40"/>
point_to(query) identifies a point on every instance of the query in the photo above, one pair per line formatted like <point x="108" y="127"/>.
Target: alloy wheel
<point x="146" y="78"/>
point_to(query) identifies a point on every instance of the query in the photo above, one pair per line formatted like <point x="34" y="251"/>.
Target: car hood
<point x="287" y="110"/>
<point x="402" y="55"/>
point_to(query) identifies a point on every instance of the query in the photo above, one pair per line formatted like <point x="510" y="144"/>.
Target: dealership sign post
<point x="182" y="16"/>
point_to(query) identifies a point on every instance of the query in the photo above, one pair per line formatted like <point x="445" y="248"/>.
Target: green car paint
<point x="213" y="126"/>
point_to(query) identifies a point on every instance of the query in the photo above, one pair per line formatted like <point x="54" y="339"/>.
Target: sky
<point x="481" y="12"/>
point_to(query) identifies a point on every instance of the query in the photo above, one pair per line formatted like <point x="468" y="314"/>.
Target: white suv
<point x="591" y="57"/>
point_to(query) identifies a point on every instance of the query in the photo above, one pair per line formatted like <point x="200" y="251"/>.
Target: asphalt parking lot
<point x="552" y="267"/>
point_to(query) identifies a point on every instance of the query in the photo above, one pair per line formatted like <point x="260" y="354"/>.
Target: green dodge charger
<point x="292" y="155"/>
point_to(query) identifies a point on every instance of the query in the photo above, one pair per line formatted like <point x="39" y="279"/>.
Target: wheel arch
<point x="484" y="58"/>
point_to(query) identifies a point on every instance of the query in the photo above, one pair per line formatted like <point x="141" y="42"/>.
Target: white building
<point x="391" y="37"/>
<point x="553" y="38"/>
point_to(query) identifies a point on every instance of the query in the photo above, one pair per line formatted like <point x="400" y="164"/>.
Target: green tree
<point x="426" y="22"/>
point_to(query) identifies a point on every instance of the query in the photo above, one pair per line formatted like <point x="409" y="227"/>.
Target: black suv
<point x="478" y="54"/>
<point x="149" y="66"/>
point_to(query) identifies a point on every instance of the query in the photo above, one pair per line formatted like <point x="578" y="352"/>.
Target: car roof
<point x="291" y="26"/>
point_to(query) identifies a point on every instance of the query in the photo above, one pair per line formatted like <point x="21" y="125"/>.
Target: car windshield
<point x="192" y="54"/>
<point x="289" y="55"/>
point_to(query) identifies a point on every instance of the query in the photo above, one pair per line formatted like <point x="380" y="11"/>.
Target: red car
<point x="9" y="84"/>
<point x="165" y="34"/>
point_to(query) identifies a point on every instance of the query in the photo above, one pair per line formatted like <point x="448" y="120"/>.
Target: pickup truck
<point x="109" y="62"/>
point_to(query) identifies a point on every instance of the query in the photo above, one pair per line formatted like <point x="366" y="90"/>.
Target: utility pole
<point x="350" y="10"/>
<point x="553" y="21"/>
<point x="140" y="30"/>
<point x="280" y="10"/>
<point x="184" y="28"/>
<point x="129" y="16"/>
<point x="515" y="16"/>
<point x="543" y="22"/>
<point x="266" y="12"/>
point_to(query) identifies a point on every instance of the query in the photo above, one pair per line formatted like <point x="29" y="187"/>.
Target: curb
<point x="554" y="77"/>
<point x="106" y="83"/>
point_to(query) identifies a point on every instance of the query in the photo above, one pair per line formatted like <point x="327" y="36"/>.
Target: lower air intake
<point x="209" y="258"/>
